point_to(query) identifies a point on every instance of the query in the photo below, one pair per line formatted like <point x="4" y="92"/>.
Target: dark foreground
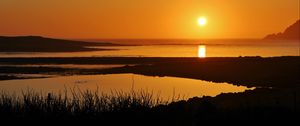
<point x="276" y="98"/>
<point x="260" y="105"/>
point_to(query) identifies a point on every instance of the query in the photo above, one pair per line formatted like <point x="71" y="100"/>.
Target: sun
<point x="202" y="21"/>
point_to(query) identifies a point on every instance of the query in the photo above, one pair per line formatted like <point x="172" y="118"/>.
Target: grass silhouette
<point x="138" y="107"/>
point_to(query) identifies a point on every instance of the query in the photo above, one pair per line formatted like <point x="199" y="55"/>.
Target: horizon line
<point x="45" y="36"/>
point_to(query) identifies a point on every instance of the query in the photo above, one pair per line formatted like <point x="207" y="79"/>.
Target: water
<point x="165" y="87"/>
<point x="211" y="50"/>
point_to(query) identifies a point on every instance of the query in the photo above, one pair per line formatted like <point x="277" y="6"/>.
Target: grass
<point x="143" y="108"/>
<point x="80" y="103"/>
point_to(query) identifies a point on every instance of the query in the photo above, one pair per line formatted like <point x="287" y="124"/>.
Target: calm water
<point x="162" y="86"/>
<point x="216" y="50"/>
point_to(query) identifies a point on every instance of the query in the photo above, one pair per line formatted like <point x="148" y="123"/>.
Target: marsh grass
<point x="76" y="103"/>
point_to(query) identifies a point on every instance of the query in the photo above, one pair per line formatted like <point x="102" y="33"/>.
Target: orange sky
<point x="146" y="18"/>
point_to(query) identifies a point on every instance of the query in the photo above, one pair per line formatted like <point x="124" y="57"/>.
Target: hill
<point x="42" y="44"/>
<point x="290" y="33"/>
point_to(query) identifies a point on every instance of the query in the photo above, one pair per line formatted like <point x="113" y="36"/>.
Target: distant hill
<point x="41" y="44"/>
<point x="291" y="33"/>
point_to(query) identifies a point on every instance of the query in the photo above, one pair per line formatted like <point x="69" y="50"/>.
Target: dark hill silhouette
<point x="41" y="44"/>
<point x="290" y="33"/>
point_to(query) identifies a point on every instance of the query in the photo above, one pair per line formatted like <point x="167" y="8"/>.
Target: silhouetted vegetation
<point x="134" y="107"/>
<point x="83" y="104"/>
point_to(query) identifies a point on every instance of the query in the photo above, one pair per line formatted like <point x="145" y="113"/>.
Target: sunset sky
<point x="146" y="18"/>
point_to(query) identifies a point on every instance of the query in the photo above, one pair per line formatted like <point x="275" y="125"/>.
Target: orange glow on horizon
<point x="146" y="18"/>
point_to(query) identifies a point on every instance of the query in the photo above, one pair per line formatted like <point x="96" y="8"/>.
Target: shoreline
<point x="247" y="71"/>
<point x="280" y="102"/>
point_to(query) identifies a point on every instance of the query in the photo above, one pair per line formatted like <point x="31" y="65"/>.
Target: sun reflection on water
<point x="201" y="51"/>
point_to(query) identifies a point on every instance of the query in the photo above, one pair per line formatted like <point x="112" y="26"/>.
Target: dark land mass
<point x="246" y="71"/>
<point x="276" y="98"/>
<point x="262" y="105"/>
<point x="11" y="77"/>
<point x="19" y="77"/>
<point x="41" y="44"/>
<point x="290" y="33"/>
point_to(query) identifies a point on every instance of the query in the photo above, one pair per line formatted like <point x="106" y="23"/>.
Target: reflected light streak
<point x="201" y="51"/>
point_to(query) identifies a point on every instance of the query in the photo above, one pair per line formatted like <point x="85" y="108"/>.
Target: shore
<point x="275" y="99"/>
<point x="280" y="72"/>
